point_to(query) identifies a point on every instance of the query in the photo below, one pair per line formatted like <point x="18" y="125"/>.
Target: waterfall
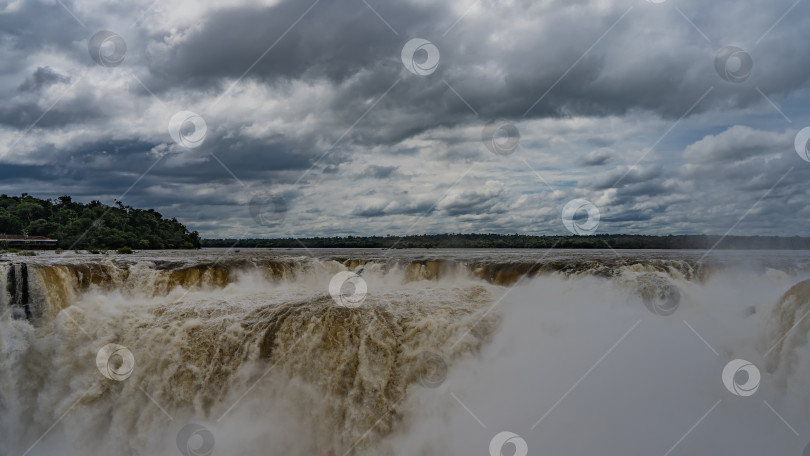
<point x="17" y="286"/>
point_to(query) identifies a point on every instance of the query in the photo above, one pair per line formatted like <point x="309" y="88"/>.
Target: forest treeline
<point x="98" y="226"/>
<point x="93" y="225"/>
<point x="520" y="241"/>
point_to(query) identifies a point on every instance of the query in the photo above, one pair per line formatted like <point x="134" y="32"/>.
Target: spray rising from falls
<point x="255" y="351"/>
<point x="202" y="336"/>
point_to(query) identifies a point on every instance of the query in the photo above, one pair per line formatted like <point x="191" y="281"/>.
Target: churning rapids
<point x="574" y="352"/>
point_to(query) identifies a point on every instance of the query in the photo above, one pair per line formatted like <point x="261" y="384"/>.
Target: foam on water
<point x="587" y="355"/>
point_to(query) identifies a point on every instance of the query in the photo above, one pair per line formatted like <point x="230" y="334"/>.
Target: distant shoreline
<point x="519" y="241"/>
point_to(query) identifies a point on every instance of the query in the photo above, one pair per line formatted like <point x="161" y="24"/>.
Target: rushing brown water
<point x="255" y="349"/>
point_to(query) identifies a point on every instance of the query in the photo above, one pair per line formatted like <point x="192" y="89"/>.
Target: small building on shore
<point x="24" y="241"/>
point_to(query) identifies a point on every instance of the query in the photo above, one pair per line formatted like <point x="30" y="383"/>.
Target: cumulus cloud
<point x="738" y="144"/>
<point x="619" y="103"/>
<point x="597" y="157"/>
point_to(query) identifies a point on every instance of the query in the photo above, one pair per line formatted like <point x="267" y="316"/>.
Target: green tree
<point x="93" y="225"/>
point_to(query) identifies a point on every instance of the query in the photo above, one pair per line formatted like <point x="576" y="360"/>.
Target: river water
<point x="406" y="352"/>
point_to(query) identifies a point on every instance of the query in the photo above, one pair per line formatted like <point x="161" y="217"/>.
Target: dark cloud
<point x="354" y="50"/>
<point x="394" y="207"/>
<point x="31" y="26"/>
<point x="488" y="199"/>
<point x="317" y="105"/>
<point x="597" y="157"/>
<point x="10" y="173"/>
<point x="379" y="172"/>
<point x="54" y="111"/>
<point x="624" y="176"/>
<point x="43" y="77"/>
<point x="331" y="40"/>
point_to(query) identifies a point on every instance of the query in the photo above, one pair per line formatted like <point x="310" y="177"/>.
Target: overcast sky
<point x="675" y="116"/>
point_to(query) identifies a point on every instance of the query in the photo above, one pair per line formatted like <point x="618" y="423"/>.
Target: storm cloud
<point x="670" y="118"/>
